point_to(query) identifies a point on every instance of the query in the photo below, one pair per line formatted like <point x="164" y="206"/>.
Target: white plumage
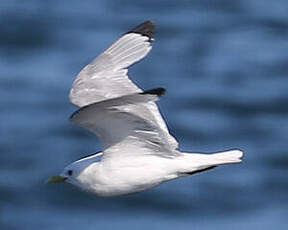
<point x="138" y="151"/>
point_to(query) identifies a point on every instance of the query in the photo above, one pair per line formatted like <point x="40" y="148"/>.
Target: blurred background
<point x="224" y="64"/>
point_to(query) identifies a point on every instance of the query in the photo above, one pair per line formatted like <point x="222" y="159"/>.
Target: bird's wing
<point x="106" y="76"/>
<point x="123" y="126"/>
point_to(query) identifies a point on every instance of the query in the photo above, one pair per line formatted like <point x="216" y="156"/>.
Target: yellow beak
<point x="55" y="179"/>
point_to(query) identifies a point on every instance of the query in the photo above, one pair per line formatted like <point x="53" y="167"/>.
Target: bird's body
<point x="135" y="174"/>
<point x="138" y="151"/>
<point x="109" y="178"/>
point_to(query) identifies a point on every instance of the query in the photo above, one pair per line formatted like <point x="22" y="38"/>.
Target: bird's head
<point x="76" y="172"/>
<point x="68" y="174"/>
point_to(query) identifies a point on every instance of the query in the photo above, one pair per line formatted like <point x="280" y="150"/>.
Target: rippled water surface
<point x="224" y="64"/>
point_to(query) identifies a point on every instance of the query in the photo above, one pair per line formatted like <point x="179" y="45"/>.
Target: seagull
<point x="138" y="151"/>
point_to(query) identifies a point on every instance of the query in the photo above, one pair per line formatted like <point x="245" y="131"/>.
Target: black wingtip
<point x="158" y="91"/>
<point x="146" y="28"/>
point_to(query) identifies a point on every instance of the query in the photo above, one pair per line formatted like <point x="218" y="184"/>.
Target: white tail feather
<point x="232" y="156"/>
<point x="198" y="161"/>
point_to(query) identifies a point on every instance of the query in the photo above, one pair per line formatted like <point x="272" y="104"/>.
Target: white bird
<point x="138" y="151"/>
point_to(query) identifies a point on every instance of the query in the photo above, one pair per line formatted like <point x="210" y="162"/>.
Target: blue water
<point x="224" y="64"/>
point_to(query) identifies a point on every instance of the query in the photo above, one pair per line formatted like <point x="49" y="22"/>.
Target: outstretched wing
<point x="121" y="131"/>
<point x="106" y="76"/>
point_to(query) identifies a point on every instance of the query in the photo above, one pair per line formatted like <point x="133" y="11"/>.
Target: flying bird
<point x="138" y="150"/>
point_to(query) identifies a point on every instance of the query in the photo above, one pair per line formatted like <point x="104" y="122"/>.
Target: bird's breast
<point x="118" y="179"/>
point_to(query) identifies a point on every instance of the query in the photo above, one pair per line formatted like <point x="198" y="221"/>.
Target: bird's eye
<point x="70" y="172"/>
